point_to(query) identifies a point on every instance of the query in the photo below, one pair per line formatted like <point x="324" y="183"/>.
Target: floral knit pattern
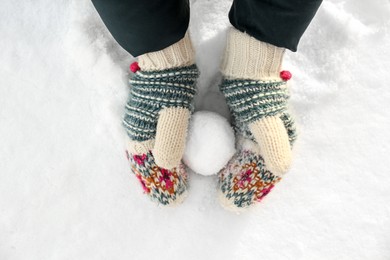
<point x="161" y="185"/>
<point x="245" y="180"/>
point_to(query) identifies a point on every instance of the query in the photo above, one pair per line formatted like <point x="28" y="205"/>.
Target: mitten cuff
<point x="179" y="54"/>
<point x="248" y="58"/>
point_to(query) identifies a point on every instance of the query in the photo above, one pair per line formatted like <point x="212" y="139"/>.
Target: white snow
<point x="210" y="143"/>
<point x="66" y="191"/>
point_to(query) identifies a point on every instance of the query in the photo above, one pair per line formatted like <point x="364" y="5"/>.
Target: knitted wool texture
<point x="180" y="54"/>
<point x="152" y="91"/>
<point x="156" y="120"/>
<point x="245" y="181"/>
<point x="166" y="187"/>
<point x="250" y="101"/>
<point x="257" y="98"/>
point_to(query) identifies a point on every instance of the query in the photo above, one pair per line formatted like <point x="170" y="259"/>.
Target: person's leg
<point x="257" y="94"/>
<point x="145" y="26"/>
<point x="277" y="22"/>
<point x="161" y="93"/>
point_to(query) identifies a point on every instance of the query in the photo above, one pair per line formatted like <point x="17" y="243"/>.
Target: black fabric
<point x="142" y="26"/>
<point x="278" y="22"/>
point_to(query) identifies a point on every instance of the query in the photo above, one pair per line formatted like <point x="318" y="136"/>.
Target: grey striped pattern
<point x="152" y="91"/>
<point x="251" y="100"/>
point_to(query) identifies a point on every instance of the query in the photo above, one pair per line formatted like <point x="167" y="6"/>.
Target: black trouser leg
<point x="278" y="22"/>
<point x="142" y="26"/>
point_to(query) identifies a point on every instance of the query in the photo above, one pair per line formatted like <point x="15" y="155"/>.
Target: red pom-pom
<point x="285" y="75"/>
<point x="134" y="67"/>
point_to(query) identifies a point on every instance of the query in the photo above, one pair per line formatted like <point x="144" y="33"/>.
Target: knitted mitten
<point x="156" y="120"/>
<point x="257" y="96"/>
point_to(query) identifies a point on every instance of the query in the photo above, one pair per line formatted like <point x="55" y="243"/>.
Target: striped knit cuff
<point x="180" y="54"/>
<point x="253" y="100"/>
<point x="248" y="58"/>
<point x="150" y="92"/>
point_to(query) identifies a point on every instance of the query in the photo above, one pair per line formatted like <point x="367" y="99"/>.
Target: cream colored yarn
<point x="169" y="142"/>
<point x="270" y="133"/>
<point x="171" y="136"/>
<point x="249" y="58"/>
<point x="177" y="55"/>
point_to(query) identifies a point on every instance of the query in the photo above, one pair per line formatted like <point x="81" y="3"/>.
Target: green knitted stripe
<point x="152" y="91"/>
<point x="251" y="84"/>
<point x="290" y="127"/>
<point x="253" y="100"/>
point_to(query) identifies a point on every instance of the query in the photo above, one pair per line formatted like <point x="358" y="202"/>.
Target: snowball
<point x="210" y="143"/>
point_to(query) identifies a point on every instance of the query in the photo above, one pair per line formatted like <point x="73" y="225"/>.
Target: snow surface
<point x="66" y="191"/>
<point x="210" y="143"/>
